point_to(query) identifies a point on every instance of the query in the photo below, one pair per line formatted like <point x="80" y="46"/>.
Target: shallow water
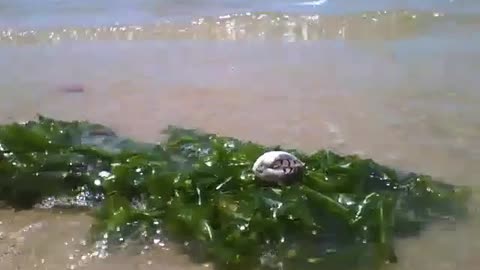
<point x="393" y="80"/>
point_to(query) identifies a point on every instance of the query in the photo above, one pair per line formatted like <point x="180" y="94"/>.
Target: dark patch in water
<point x="73" y="89"/>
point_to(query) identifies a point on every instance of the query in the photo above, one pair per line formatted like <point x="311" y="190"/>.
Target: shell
<point x="278" y="167"/>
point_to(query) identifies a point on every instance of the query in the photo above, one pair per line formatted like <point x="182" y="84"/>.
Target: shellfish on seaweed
<point x="278" y="167"/>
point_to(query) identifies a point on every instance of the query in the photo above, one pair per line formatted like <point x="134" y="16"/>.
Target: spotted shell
<point x="278" y="167"/>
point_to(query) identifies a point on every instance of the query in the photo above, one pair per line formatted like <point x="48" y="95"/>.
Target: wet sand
<point x="48" y="240"/>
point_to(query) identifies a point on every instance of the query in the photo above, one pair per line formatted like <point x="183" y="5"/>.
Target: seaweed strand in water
<point x="199" y="190"/>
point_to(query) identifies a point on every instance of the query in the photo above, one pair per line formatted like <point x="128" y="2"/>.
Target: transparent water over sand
<point x="396" y="81"/>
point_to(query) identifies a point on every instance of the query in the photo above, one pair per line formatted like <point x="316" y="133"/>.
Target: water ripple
<point x="383" y="25"/>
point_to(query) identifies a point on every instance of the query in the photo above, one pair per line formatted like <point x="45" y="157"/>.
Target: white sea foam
<point x="312" y="3"/>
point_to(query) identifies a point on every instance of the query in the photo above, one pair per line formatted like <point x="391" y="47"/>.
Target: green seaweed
<point x="199" y="190"/>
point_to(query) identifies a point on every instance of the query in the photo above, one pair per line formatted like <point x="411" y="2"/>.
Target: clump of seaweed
<point x="199" y="190"/>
